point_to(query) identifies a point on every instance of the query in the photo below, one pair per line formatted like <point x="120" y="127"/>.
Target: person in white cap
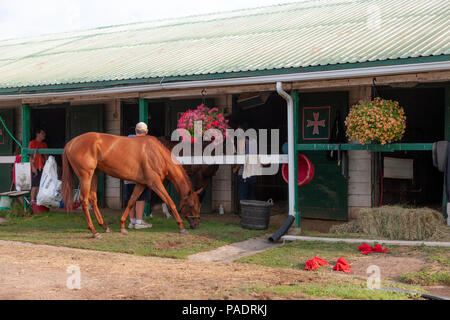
<point x="137" y="211"/>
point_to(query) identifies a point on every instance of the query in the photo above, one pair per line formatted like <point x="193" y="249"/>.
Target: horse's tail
<point x="68" y="182"/>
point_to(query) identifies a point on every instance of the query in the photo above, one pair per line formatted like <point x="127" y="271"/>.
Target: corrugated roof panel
<point x="308" y="33"/>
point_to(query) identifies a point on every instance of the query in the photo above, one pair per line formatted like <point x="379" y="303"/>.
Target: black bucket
<point x="255" y="214"/>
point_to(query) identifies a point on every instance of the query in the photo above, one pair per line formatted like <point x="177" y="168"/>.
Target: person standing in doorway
<point x="37" y="162"/>
<point x="246" y="187"/>
<point x="137" y="212"/>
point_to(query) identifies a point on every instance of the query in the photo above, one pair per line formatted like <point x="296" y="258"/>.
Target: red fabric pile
<point x="342" y="265"/>
<point x="366" y="249"/>
<point x="314" y="263"/>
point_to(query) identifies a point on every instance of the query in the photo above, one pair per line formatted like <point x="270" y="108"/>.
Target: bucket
<point x="255" y="214"/>
<point x="38" y="209"/>
<point x="305" y="170"/>
<point x="5" y="203"/>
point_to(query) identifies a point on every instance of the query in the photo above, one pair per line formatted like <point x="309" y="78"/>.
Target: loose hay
<point x="397" y="223"/>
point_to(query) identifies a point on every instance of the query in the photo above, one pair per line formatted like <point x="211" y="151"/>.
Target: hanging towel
<point x="342" y="265"/>
<point x="314" y="263"/>
<point x="366" y="249"/>
<point x="252" y="165"/>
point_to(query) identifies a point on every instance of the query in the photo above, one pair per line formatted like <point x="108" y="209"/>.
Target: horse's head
<point x="190" y="208"/>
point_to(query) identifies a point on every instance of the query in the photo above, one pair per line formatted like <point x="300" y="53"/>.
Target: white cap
<point x="141" y="126"/>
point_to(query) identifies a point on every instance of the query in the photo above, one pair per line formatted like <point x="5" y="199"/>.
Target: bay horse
<point x="144" y="160"/>
<point x="201" y="174"/>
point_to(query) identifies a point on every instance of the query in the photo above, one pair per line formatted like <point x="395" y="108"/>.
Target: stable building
<point x="326" y="54"/>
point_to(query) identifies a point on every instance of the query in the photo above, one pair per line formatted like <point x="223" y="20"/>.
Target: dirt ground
<point x="30" y="271"/>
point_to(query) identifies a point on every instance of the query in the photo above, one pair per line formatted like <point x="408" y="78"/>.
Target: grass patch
<point x="294" y="254"/>
<point x="397" y="223"/>
<point x="436" y="273"/>
<point x="334" y="291"/>
<point x="427" y="278"/>
<point x="162" y="240"/>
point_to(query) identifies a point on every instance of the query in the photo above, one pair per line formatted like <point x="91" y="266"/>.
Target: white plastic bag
<point x="22" y="172"/>
<point x="49" y="194"/>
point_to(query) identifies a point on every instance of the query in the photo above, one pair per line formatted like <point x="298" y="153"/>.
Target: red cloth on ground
<point x="342" y="265"/>
<point x="314" y="263"/>
<point x="366" y="249"/>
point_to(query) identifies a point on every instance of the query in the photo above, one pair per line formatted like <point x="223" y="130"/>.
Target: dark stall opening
<point x="53" y="121"/>
<point x="409" y="177"/>
<point x="264" y="111"/>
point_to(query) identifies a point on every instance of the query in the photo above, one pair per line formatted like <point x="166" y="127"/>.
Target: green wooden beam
<point x="25" y="131"/>
<point x="295" y="100"/>
<point x="44" y="151"/>
<point x="371" y="147"/>
<point x="143" y="117"/>
<point x="143" y="110"/>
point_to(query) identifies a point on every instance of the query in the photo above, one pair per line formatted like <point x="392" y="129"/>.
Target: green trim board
<point x="318" y="147"/>
<point x="371" y="147"/>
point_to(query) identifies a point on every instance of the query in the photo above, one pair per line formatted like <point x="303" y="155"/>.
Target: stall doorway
<point x="53" y="121"/>
<point x="64" y="122"/>
<point x="409" y="177"/>
<point x="7" y="147"/>
<point x="264" y="111"/>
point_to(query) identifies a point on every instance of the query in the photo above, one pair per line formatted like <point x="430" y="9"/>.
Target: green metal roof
<point x="268" y="39"/>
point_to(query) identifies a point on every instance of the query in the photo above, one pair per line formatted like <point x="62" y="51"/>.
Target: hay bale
<point x="397" y="223"/>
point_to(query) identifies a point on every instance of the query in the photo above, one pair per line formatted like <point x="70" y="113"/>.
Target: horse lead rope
<point x="6" y="128"/>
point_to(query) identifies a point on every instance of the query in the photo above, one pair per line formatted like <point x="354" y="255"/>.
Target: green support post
<point x="143" y="117"/>
<point x="25" y="132"/>
<point x="143" y="110"/>
<point x="25" y="117"/>
<point x="295" y="101"/>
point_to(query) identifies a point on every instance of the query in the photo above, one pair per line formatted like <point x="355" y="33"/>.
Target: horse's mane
<point x="168" y="157"/>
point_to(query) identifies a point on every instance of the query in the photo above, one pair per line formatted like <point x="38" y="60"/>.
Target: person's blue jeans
<point x="246" y="188"/>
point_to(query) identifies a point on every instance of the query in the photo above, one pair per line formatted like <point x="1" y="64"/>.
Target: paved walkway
<point x="235" y="251"/>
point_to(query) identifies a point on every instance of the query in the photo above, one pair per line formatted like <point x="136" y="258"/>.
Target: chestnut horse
<point x="144" y="160"/>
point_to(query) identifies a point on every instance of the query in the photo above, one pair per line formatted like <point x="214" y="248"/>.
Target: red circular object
<point x="305" y="170"/>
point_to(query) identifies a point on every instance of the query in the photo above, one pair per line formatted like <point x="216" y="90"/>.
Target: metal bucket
<point x="255" y="214"/>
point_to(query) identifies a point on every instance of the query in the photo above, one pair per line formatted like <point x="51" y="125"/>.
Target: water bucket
<point x="38" y="209"/>
<point x="305" y="170"/>
<point x="5" y="203"/>
<point x="255" y="214"/>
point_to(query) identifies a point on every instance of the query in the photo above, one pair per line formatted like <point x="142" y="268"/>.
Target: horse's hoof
<point x="184" y="231"/>
<point x="96" y="235"/>
<point x="123" y="231"/>
<point x="108" y="230"/>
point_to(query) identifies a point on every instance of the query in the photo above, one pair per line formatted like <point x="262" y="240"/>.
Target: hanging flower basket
<point x="376" y="121"/>
<point x="210" y="119"/>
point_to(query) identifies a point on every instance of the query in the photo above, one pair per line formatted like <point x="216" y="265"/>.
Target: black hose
<point x="423" y="295"/>
<point x="284" y="228"/>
